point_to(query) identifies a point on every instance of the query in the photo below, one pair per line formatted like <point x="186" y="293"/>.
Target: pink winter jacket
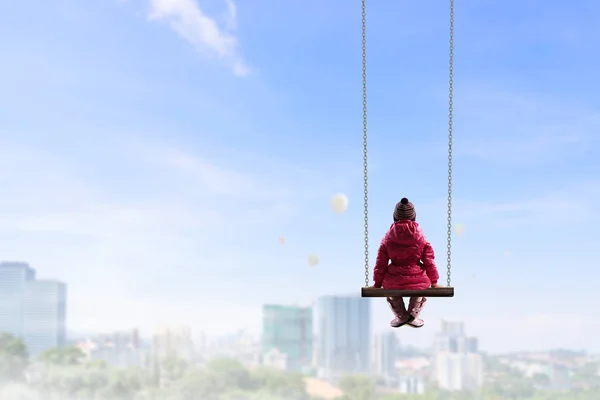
<point x="405" y="245"/>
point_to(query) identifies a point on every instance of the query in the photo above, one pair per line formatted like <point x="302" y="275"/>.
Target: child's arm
<point x="428" y="259"/>
<point x="381" y="265"/>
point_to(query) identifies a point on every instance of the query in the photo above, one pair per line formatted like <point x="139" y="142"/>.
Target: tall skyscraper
<point x="33" y="310"/>
<point x="343" y="331"/>
<point x="44" y="311"/>
<point x="289" y="330"/>
<point x="386" y="347"/>
<point x="14" y="276"/>
<point x="456" y="361"/>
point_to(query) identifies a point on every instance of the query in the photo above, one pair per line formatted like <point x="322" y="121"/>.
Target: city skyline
<point x="155" y="169"/>
<point x="422" y="339"/>
<point x="453" y="364"/>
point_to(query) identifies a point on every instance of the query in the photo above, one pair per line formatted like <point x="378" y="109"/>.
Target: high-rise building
<point x="471" y="345"/>
<point x="456" y="362"/>
<point x="44" y="313"/>
<point x="31" y="309"/>
<point x="459" y="371"/>
<point x="14" y="276"/>
<point x="452" y="328"/>
<point x="452" y="339"/>
<point x="343" y="331"/>
<point x="472" y="371"/>
<point x="448" y="370"/>
<point x="386" y="347"/>
<point x="289" y="330"/>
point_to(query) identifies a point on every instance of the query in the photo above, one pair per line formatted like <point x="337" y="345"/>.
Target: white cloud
<point x="158" y="248"/>
<point x="239" y="175"/>
<point x="528" y="149"/>
<point x="213" y="180"/>
<point x="78" y="231"/>
<point x="107" y="220"/>
<point x="53" y="194"/>
<point x="556" y="27"/>
<point x="45" y="195"/>
<point x="231" y="14"/>
<point x="510" y="128"/>
<point x="189" y="21"/>
<point x="577" y="203"/>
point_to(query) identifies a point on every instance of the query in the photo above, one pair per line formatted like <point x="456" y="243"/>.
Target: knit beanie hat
<point x="405" y="211"/>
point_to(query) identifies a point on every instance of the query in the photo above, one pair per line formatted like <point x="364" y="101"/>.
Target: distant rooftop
<point x="14" y="264"/>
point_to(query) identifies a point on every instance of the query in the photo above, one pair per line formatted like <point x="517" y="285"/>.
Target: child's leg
<point x="397" y="305"/>
<point x="399" y="309"/>
<point x="415" y="305"/>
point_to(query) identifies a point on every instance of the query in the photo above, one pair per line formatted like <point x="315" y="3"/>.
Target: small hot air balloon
<point x="281" y="240"/>
<point x="459" y="229"/>
<point x="313" y="260"/>
<point x="339" y="203"/>
<point x="507" y="254"/>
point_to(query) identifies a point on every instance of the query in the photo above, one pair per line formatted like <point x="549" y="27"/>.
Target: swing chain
<point x="450" y="137"/>
<point x="450" y="131"/>
<point x="365" y="159"/>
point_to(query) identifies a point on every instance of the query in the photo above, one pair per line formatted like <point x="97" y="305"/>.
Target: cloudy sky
<point x="152" y="153"/>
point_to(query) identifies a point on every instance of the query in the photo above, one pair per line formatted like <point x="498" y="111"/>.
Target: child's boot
<point x="415" y="305"/>
<point x="399" y="309"/>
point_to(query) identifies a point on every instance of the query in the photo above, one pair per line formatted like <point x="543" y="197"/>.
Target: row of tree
<point x="65" y="374"/>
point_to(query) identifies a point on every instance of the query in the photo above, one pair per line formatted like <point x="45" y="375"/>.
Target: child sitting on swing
<point x="411" y="265"/>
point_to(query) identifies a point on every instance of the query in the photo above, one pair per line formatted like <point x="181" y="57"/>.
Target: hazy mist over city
<point x="182" y="214"/>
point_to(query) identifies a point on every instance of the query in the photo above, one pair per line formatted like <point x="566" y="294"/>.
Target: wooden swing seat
<point x="431" y="292"/>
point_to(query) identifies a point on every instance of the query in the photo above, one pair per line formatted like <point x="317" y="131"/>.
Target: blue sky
<point x="153" y="152"/>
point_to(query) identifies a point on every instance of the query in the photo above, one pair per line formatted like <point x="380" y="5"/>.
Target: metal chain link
<point x="365" y="159"/>
<point x="450" y="131"/>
